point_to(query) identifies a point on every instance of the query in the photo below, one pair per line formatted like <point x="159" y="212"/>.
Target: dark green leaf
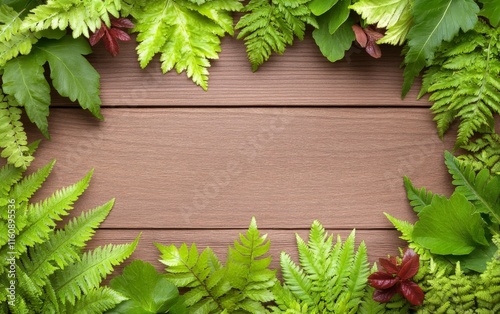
<point x="450" y="226"/>
<point x="491" y="10"/>
<point x="338" y="15"/>
<point x="476" y="260"/>
<point x="319" y="7"/>
<point x="333" y="46"/>
<point x="147" y="290"/>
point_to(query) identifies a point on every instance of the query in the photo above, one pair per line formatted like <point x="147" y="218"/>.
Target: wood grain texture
<point x="300" y="77"/>
<point x="217" y="167"/>
<point x="380" y="243"/>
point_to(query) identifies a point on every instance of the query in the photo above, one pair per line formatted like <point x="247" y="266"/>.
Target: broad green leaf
<point x="338" y="15"/>
<point x="147" y="290"/>
<point x="393" y="15"/>
<point x="491" y="10"/>
<point x="333" y="46"/>
<point x="319" y="7"/>
<point x="435" y="21"/>
<point x="478" y="259"/>
<point x="450" y="226"/>
<point x="72" y="75"/>
<point x="23" y="78"/>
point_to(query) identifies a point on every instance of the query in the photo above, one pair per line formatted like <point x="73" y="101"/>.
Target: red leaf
<point x="412" y="292"/>
<point x="384" y="296"/>
<point x="381" y="280"/>
<point x="95" y="37"/>
<point x="409" y="265"/>
<point x="119" y="34"/>
<point x="389" y="266"/>
<point x="122" y="22"/>
<point x="373" y="49"/>
<point x="372" y="34"/>
<point x="360" y="35"/>
<point x="111" y="44"/>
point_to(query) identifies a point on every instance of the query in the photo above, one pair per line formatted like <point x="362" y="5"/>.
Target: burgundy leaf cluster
<point x="367" y="38"/>
<point x="396" y="278"/>
<point x="111" y="35"/>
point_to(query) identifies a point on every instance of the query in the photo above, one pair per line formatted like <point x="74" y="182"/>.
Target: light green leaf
<point x="333" y="46"/>
<point x="147" y="291"/>
<point x="319" y="7"/>
<point x="450" y="226"/>
<point x="393" y="15"/>
<point x="419" y="198"/>
<point x="72" y="75"/>
<point x="23" y="78"/>
<point x="435" y="21"/>
<point x="491" y="10"/>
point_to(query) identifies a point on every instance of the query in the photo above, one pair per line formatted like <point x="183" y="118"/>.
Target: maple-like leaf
<point x="395" y="16"/>
<point x="186" y="34"/>
<point x="435" y="21"/>
<point x="111" y="35"/>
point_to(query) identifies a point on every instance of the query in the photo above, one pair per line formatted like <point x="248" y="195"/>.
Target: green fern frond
<point x="13" y="138"/>
<point x="79" y="278"/>
<point x="96" y="301"/>
<point x="269" y="26"/>
<point x="287" y="303"/>
<point x="186" y="34"/>
<point x="9" y="175"/>
<point x="482" y="189"/>
<point x="82" y="16"/>
<point x="464" y="82"/>
<point x="484" y="153"/>
<point x="333" y="280"/>
<point x="25" y="189"/>
<point x="63" y="247"/>
<point x="14" y="39"/>
<point x="419" y="198"/>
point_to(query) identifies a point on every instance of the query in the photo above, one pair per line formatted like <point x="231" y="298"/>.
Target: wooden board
<point x="216" y="168"/>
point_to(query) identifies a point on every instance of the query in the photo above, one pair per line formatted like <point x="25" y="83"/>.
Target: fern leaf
<point x="484" y="153"/>
<point x="64" y="246"/>
<point x="9" y="175"/>
<point x="395" y="16"/>
<point x="79" y="278"/>
<point x="82" y="16"/>
<point x="419" y="198"/>
<point x="186" y="34"/>
<point x="269" y="26"/>
<point x="464" y="82"/>
<point x="13" y="39"/>
<point x="488" y="294"/>
<point x="13" y="138"/>
<point x="96" y="301"/>
<point x="25" y="189"/>
<point x="296" y="280"/>
<point x="42" y="216"/>
<point x="435" y="21"/>
<point x="481" y="189"/>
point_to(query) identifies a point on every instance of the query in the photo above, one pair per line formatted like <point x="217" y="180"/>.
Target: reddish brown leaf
<point x="381" y="280"/>
<point x="373" y="49"/>
<point x="384" y="296"/>
<point x="389" y="265"/>
<point x="119" y="34"/>
<point x="95" y="37"/>
<point x="373" y="34"/>
<point x="122" y="23"/>
<point x="409" y="265"/>
<point x="412" y="292"/>
<point x="360" y="35"/>
<point x="111" y="44"/>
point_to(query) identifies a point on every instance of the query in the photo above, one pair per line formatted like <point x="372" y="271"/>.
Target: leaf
<point x="435" y="21"/>
<point x="409" y="265"/>
<point x="338" y="15"/>
<point x="380" y="280"/>
<point x="491" y="10"/>
<point x="269" y="26"/>
<point x="319" y="7"/>
<point x="412" y="292"/>
<point x="187" y="35"/>
<point x="477" y="260"/>
<point x="24" y="79"/>
<point x="145" y="288"/>
<point x="333" y="46"/>
<point x="419" y="198"/>
<point x="395" y="16"/>
<point x="450" y="226"/>
<point x="72" y="75"/>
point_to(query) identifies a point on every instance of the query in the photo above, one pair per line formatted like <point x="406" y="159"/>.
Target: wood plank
<point x="218" y="167"/>
<point x="380" y="243"/>
<point x="300" y="77"/>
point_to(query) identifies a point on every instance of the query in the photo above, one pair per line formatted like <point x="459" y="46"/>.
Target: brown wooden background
<point x="301" y="139"/>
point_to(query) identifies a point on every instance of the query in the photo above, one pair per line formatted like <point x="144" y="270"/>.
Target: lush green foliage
<point x="44" y="269"/>
<point x="270" y="25"/>
<point x="243" y="284"/>
<point x="186" y="33"/>
<point x="147" y="291"/>
<point x="483" y="153"/>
